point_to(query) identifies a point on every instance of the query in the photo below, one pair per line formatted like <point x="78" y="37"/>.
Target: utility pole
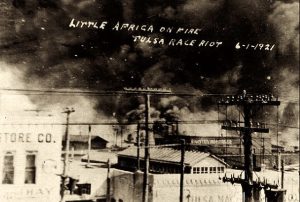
<point x="66" y="157"/>
<point x="108" y="182"/>
<point x="182" y="144"/>
<point x="89" y="146"/>
<point x="116" y="135"/>
<point x="138" y="166"/>
<point x="121" y="131"/>
<point x="263" y="153"/>
<point x="247" y="102"/>
<point x="146" y="92"/>
<point x="282" y="173"/>
<point x="147" y="149"/>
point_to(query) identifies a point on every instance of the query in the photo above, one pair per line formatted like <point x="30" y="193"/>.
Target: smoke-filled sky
<point x="38" y="49"/>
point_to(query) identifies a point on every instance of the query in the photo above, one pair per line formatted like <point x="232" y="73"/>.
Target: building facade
<point x="127" y="186"/>
<point x="30" y="161"/>
<point x="80" y="142"/>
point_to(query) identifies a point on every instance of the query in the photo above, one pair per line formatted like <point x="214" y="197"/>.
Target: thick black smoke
<point x="37" y="38"/>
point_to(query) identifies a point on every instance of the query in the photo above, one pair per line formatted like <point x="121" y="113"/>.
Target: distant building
<point x="220" y="145"/>
<point x="80" y="142"/>
<point x="230" y="147"/>
<point x="167" y="160"/>
<point x="277" y="148"/>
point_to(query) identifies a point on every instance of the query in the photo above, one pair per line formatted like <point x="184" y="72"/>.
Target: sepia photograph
<point x="149" y="101"/>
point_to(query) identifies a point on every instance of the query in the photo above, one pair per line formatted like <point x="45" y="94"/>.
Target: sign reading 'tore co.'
<point x="33" y="130"/>
<point x="27" y="137"/>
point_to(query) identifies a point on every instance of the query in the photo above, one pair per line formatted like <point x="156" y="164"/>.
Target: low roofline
<point x="155" y="160"/>
<point x="219" y="159"/>
<point x="177" y="162"/>
<point x="216" y="158"/>
<point x="85" y="136"/>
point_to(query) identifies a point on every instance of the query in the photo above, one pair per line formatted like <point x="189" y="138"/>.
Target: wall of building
<point x="96" y="143"/>
<point x="42" y="141"/>
<point x="130" y="164"/>
<point x="197" y="188"/>
<point x="127" y="186"/>
<point x="209" y="162"/>
<point x="77" y="146"/>
<point x="207" y="166"/>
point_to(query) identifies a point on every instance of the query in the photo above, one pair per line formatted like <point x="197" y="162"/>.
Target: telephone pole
<point x="89" y="146"/>
<point x="182" y="169"/>
<point x="66" y="157"/>
<point x="108" y="182"/>
<point x="138" y="167"/>
<point x="146" y="92"/>
<point x="247" y="102"/>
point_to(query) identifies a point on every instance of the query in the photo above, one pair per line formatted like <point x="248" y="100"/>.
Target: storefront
<point x="30" y="160"/>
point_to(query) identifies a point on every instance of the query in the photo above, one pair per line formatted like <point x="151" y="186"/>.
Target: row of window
<point x="8" y="172"/>
<point x="164" y="169"/>
<point x="203" y="170"/>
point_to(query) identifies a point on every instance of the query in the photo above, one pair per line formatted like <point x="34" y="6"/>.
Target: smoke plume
<point x="35" y="39"/>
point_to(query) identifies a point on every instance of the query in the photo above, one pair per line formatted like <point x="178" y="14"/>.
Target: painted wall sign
<point x="25" y="137"/>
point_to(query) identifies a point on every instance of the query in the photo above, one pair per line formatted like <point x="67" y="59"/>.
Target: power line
<point x="70" y="92"/>
<point x="65" y="92"/>
<point x="94" y="93"/>
<point x="135" y="123"/>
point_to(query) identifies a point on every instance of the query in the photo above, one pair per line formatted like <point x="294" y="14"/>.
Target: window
<point x="8" y="168"/>
<point x="84" y="188"/>
<point x="196" y="170"/>
<point x="204" y="169"/>
<point x="30" y="169"/>
<point x="212" y="169"/>
<point x="220" y="169"/>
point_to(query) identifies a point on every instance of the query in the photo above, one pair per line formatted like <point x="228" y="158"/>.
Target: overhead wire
<point x="93" y="93"/>
<point x="78" y="92"/>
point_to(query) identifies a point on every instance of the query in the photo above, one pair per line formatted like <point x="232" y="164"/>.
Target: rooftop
<point x="85" y="138"/>
<point x="170" y="155"/>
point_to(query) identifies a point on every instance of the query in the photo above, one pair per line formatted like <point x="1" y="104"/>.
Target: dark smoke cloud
<point x="35" y="38"/>
<point x="285" y="18"/>
<point x="57" y="48"/>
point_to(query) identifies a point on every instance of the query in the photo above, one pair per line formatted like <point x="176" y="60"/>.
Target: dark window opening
<point x="30" y="169"/>
<point x="8" y="169"/>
